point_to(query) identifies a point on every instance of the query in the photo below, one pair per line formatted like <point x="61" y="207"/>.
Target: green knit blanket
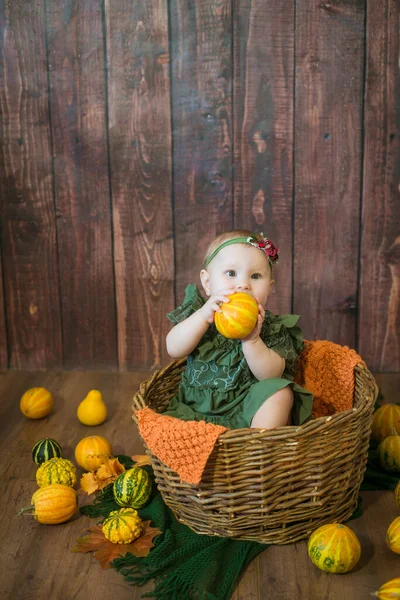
<point x="186" y="565"/>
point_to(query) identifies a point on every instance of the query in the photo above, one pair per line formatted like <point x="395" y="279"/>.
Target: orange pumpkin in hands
<point x="238" y="317"/>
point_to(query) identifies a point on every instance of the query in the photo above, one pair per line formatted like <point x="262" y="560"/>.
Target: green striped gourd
<point x="389" y="590"/>
<point x="334" y="548"/>
<point x="132" y="488"/>
<point x="122" y="526"/>
<point x="56" y="470"/>
<point x="45" y="449"/>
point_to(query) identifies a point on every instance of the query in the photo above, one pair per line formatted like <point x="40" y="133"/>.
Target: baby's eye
<point x="231" y="273"/>
<point x="256" y="276"/>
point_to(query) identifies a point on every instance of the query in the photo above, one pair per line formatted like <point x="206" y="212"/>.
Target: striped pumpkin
<point x="36" y="403"/>
<point x="393" y="536"/>
<point x="386" y="422"/>
<point x="389" y="590"/>
<point x="389" y="453"/>
<point x="45" y="449"/>
<point x="56" y="470"/>
<point x="334" y="548"/>
<point x="122" y="526"/>
<point x="238" y="317"/>
<point x="132" y="488"/>
<point x="53" y="504"/>
<point x="92" y="451"/>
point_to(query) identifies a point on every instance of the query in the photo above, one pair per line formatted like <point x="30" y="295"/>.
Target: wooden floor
<point x="36" y="562"/>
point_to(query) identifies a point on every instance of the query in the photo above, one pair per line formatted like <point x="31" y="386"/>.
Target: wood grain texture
<point x="263" y="125"/>
<point x="28" y="231"/>
<point x="36" y="561"/>
<point x="3" y="322"/>
<point x="81" y="181"/>
<point x="140" y="156"/>
<point x="201" y="49"/>
<point x="380" y="244"/>
<point x="328" y="119"/>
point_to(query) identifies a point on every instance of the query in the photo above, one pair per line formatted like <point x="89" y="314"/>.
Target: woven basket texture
<point x="271" y="486"/>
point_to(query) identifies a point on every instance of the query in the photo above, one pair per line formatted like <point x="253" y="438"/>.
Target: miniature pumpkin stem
<point x="26" y="510"/>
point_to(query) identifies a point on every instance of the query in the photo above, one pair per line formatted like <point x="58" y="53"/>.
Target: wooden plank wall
<point x="131" y="133"/>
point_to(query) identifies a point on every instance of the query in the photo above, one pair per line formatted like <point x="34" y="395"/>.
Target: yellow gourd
<point x="53" y="504"/>
<point x="386" y="421"/>
<point x="56" y="470"/>
<point x="397" y="495"/>
<point x="92" y="451"/>
<point x="238" y="317"/>
<point x="92" y="410"/>
<point x="389" y="590"/>
<point x="389" y="453"/>
<point x="393" y="535"/>
<point x="334" y="548"/>
<point x="122" y="526"/>
<point x="36" y="403"/>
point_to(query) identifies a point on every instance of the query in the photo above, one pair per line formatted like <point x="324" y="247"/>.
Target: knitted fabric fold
<point x="184" y="446"/>
<point x="327" y="371"/>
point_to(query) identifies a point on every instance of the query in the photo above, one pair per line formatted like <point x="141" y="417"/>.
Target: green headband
<point x="258" y="241"/>
<point x="238" y="240"/>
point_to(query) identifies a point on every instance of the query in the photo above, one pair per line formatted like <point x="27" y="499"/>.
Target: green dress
<point x="217" y="385"/>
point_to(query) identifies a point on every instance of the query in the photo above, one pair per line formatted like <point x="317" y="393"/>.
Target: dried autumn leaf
<point x="110" y="469"/>
<point x="105" y="551"/>
<point x="105" y="474"/>
<point x="141" y="460"/>
<point x="89" y="483"/>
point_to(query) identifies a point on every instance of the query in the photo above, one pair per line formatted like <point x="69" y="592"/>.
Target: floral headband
<point x="257" y="240"/>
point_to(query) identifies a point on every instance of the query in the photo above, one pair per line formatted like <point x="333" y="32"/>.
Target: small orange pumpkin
<point x="238" y="317"/>
<point x="36" y="403"/>
<point x="386" y="421"/>
<point x="91" y="452"/>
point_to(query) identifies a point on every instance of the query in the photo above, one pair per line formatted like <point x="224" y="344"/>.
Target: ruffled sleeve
<point x="192" y="302"/>
<point x="282" y="334"/>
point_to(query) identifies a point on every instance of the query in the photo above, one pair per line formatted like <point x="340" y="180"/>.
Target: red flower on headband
<point x="261" y="241"/>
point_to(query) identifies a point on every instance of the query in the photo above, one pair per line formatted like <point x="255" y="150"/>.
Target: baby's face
<point x="238" y="268"/>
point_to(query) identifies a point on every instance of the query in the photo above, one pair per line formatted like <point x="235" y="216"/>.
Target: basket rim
<point x="284" y="432"/>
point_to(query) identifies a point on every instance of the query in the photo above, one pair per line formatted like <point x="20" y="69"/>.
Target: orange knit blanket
<point x="324" y="368"/>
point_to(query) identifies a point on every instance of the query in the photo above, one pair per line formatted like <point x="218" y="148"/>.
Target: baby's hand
<point x="213" y="305"/>
<point x="255" y="334"/>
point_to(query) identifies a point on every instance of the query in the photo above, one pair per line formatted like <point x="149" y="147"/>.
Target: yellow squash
<point x="389" y="453"/>
<point x="36" y="403"/>
<point x="389" y="590"/>
<point x="238" y="317"/>
<point x="92" y="410"/>
<point x="393" y="535"/>
<point x="53" y="504"/>
<point x="386" y="421"/>
<point x="334" y="548"/>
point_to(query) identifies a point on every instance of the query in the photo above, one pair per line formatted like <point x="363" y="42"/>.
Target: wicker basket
<point x="271" y="486"/>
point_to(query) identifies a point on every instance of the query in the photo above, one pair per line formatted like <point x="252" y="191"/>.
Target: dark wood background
<point x="133" y="132"/>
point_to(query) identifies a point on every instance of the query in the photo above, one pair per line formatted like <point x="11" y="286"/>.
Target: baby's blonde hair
<point x="223" y="237"/>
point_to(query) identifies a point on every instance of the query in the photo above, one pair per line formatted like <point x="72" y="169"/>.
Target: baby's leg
<point x="275" y="411"/>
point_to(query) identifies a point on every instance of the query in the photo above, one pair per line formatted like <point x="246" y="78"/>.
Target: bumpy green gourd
<point x="56" y="470"/>
<point x="122" y="526"/>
